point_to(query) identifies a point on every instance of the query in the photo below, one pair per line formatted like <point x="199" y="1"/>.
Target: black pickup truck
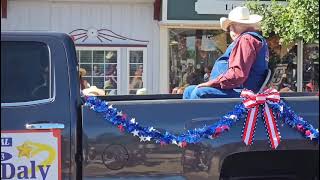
<point x="47" y="133"/>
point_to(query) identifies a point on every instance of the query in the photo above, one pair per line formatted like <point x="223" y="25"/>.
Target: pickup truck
<point x="47" y="132"/>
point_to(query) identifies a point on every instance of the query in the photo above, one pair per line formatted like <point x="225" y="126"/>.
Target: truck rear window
<point x="25" y="72"/>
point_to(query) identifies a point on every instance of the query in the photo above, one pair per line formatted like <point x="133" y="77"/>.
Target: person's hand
<point x="174" y="90"/>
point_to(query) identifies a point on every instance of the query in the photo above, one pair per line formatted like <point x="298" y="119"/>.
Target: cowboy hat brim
<point x="93" y="91"/>
<point x="254" y="19"/>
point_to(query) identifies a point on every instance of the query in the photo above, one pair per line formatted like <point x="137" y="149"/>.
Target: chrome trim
<point x="45" y="126"/>
<point x="51" y="82"/>
<point x="42" y="101"/>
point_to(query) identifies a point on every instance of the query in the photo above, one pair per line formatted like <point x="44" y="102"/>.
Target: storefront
<point x="191" y="40"/>
<point x="117" y="41"/>
<point x="125" y="45"/>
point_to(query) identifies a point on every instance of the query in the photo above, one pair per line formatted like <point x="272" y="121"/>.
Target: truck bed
<point x="110" y="153"/>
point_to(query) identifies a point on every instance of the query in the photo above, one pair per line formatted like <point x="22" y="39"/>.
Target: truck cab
<point x="40" y="87"/>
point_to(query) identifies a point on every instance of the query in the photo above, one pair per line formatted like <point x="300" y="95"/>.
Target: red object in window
<point x="310" y="87"/>
<point x="4" y="6"/>
<point x="157" y="10"/>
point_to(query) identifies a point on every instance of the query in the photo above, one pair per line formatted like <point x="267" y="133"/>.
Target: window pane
<point x="283" y="64"/>
<point x="311" y="67"/>
<point x="136" y="56"/>
<point x="136" y="69"/>
<point x="98" y="56"/>
<point x="98" y="70"/>
<point x="98" y="81"/>
<point x="110" y="83"/>
<point x="192" y="54"/>
<point x="111" y="70"/>
<point x="136" y="82"/>
<point x="102" y="70"/>
<point x="88" y="79"/>
<point x="88" y="68"/>
<point x="111" y="56"/>
<point x="133" y="92"/>
<point x="111" y="92"/>
<point x="85" y="57"/>
<point x="24" y="65"/>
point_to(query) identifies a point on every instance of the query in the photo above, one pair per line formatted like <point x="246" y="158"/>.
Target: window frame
<point x="118" y="49"/>
<point x="52" y="85"/>
<point x="144" y="63"/>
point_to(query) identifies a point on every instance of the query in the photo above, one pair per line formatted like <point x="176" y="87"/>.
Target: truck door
<point x="35" y="108"/>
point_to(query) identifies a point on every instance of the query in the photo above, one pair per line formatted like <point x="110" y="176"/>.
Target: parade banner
<point x="31" y="154"/>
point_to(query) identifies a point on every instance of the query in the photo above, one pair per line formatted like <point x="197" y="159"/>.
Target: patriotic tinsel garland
<point x="268" y="100"/>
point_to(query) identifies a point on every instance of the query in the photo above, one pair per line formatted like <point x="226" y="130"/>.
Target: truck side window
<point x="25" y="72"/>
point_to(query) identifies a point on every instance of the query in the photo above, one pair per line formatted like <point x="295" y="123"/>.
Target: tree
<point x="297" y="20"/>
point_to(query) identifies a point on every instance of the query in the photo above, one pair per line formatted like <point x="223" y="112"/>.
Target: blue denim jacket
<point x="258" y="70"/>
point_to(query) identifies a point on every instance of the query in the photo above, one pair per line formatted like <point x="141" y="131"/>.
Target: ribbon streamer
<point x="253" y="102"/>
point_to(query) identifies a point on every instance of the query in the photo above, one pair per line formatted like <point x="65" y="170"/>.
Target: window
<point x="283" y="64"/>
<point x="101" y="67"/>
<point x="136" y="65"/>
<point x="25" y="72"/>
<point x="311" y="67"/>
<point x="117" y="70"/>
<point x="192" y="54"/>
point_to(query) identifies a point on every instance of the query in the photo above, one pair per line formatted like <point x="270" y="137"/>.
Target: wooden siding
<point x="131" y="19"/>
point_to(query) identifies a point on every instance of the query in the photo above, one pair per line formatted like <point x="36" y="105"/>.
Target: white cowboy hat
<point x="82" y="72"/>
<point x="109" y="55"/>
<point x="93" y="91"/>
<point x="240" y="15"/>
<point x="142" y="91"/>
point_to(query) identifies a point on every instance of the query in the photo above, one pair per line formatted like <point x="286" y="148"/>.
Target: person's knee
<point x="188" y="91"/>
<point x="196" y="93"/>
<point x="206" y="92"/>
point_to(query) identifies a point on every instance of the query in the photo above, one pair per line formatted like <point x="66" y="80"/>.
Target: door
<point x="35" y="108"/>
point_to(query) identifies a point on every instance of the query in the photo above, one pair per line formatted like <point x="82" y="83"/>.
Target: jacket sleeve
<point x="241" y="59"/>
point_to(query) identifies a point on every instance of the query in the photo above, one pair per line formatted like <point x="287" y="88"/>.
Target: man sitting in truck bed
<point x="243" y="65"/>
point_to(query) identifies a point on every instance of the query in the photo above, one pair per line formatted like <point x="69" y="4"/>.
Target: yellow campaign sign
<point x="31" y="154"/>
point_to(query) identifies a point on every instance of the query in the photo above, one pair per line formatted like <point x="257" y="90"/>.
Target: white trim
<point x="97" y="48"/>
<point x="164" y="60"/>
<point x="82" y="48"/>
<point x="250" y="125"/>
<point x="144" y="62"/>
<point x="300" y="66"/>
<point x="28" y="103"/>
<point x="164" y="10"/>
<point x="213" y="23"/>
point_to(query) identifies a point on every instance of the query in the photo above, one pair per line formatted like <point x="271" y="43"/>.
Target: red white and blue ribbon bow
<point x="252" y="102"/>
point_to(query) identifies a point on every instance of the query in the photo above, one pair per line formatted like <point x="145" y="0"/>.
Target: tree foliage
<point x="292" y="21"/>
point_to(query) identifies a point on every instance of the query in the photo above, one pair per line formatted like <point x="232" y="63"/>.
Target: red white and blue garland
<point x="269" y="101"/>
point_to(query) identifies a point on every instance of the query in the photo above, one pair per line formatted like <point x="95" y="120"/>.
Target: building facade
<point x="125" y="45"/>
<point x="117" y="41"/>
